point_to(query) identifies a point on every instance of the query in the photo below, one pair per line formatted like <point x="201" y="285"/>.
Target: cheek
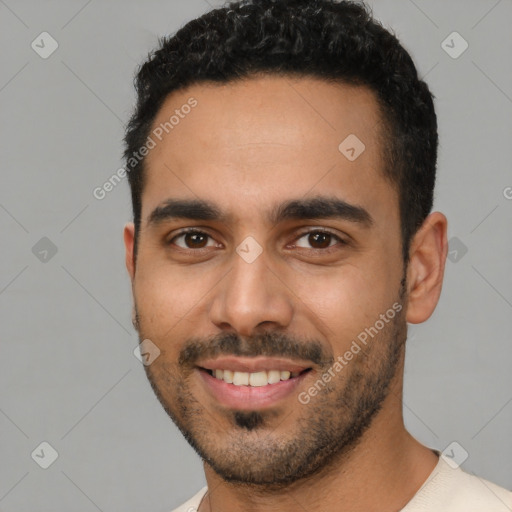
<point x="171" y="300"/>
<point x="343" y="302"/>
<point x="163" y="299"/>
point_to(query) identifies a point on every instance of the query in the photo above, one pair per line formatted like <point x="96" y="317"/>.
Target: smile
<point x="251" y="383"/>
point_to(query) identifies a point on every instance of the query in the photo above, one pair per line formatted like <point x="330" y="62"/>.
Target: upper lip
<point x="252" y="364"/>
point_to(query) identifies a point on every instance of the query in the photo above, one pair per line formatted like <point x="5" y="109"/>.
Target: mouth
<point x="251" y="383"/>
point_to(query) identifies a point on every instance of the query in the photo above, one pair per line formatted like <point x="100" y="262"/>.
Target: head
<point x="297" y="145"/>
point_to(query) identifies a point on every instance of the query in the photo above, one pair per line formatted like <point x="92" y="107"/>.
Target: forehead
<point x="266" y="137"/>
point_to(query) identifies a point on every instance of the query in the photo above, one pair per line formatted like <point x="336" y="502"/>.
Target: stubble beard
<point x="328" y="428"/>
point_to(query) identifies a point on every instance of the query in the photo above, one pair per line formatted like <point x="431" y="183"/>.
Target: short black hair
<point x="337" y="41"/>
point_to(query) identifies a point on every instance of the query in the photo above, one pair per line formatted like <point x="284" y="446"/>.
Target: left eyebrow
<point x="320" y="207"/>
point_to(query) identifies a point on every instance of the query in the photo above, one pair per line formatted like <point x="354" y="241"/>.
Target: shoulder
<point x="193" y="503"/>
<point x="478" y="494"/>
<point x="454" y="490"/>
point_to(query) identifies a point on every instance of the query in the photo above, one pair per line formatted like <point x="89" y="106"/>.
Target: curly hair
<point x="337" y="41"/>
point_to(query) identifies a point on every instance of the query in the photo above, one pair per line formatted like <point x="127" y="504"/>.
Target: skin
<point x="248" y="146"/>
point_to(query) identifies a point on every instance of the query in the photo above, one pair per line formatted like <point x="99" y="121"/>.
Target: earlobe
<point x="129" y="237"/>
<point x="429" y="248"/>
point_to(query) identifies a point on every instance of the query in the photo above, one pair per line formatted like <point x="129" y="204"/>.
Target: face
<point x="269" y="273"/>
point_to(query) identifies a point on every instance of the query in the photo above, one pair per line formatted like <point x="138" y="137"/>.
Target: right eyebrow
<point x="193" y="209"/>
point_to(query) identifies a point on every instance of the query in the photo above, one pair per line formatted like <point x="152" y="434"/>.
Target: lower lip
<point x="250" y="397"/>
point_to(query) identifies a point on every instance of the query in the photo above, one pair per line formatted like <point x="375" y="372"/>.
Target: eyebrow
<point x="320" y="207"/>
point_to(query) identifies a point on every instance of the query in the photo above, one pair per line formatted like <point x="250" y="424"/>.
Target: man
<point x="282" y="164"/>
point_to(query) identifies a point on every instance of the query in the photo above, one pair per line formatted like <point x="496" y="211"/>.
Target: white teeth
<point x="258" y="379"/>
<point x="228" y="376"/>
<point x="255" y="379"/>
<point x="241" y="379"/>
<point x="274" y="376"/>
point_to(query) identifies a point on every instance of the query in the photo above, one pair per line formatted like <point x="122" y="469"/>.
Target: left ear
<point x="427" y="258"/>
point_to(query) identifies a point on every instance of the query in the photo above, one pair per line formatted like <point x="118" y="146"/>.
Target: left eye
<point x="320" y="239"/>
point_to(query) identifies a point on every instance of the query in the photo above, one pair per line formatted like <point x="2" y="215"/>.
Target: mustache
<point x="270" y="344"/>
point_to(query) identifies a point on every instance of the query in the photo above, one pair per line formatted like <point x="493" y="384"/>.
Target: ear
<point x="129" y="237"/>
<point x="427" y="258"/>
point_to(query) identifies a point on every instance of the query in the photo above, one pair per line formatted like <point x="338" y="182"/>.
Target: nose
<point x="251" y="296"/>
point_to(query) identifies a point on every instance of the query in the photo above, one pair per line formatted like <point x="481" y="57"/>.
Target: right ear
<point x="129" y="238"/>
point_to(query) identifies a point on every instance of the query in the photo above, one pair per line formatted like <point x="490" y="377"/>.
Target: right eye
<point x="191" y="240"/>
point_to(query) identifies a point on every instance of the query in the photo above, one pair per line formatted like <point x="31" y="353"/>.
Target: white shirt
<point x="446" y="489"/>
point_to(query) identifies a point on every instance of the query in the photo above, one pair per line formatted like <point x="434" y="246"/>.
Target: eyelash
<point x="327" y="250"/>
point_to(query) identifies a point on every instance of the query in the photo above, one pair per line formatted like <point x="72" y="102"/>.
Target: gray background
<point x="68" y="375"/>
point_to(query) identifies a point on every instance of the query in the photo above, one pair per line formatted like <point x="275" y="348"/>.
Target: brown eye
<point x="319" y="240"/>
<point x="192" y="239"/>
<point x="195" y="240"/>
